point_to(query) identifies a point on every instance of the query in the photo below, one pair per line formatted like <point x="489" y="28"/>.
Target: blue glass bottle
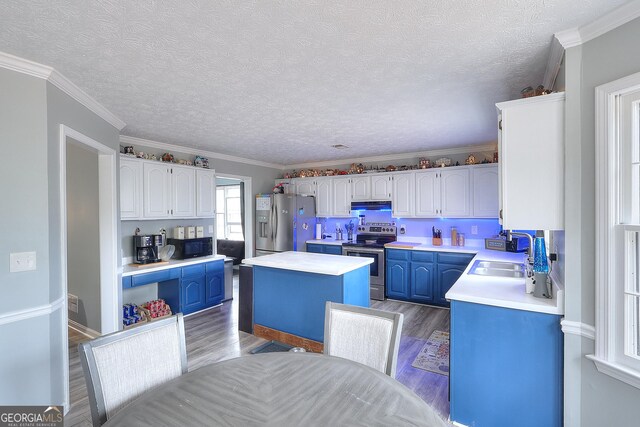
<point x="540" y="263"/>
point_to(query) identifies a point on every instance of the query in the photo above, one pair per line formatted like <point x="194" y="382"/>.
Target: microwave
<point x="192" y="248"/>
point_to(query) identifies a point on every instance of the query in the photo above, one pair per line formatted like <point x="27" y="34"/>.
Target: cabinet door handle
<point x="500" y="213"/>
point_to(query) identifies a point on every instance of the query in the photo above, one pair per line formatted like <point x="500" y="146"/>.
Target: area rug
<point x="434" y="355"/>
<point x="271" y="347"/>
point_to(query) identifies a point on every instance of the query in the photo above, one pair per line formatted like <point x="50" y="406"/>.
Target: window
<point x="229" y="213"/>
<point x="618" y="229"/>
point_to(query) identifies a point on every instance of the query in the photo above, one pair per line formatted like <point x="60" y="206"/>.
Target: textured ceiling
<point x="281" y="81"/>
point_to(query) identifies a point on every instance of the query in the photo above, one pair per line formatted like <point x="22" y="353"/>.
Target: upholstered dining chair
<point x="119" y="367"/>
<point x="364" y="335"/>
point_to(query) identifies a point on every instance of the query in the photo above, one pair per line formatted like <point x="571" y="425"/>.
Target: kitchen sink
<point x="498" y="269"/>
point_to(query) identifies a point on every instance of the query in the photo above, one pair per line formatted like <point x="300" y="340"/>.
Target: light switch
<point x="474" y="229"/>
<point x="211" y="229"/>
<point x="22" y="261"/>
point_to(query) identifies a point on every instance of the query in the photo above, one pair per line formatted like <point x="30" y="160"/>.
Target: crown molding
<point x="556" y="54"/>
<point x="614" y="19"/>
<point x="49" y="74"/>
<point x="431" y="153"/>
<point x="569" y="38"/>
<point x="131" y="140"/>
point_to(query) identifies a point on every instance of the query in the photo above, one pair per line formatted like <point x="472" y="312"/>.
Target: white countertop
<point x="128" y="270"/>
<point x="327" y="242"/>
<point x="503" y="291"/>
<point x="334" y="265"/>
<point x="490" y="290"/>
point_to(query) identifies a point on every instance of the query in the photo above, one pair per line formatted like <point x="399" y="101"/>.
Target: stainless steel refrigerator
<point x="284" y="222"/>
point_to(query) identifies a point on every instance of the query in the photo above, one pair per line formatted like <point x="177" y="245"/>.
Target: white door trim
<point x="248" y="212"/>
<point x="108" y="231"/>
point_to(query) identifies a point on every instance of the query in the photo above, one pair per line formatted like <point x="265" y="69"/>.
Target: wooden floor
<point x="213" y="335"/>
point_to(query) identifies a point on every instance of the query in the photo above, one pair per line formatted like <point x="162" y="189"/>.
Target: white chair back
<point x="364" y="335"/>
<point x="121" y="366"/>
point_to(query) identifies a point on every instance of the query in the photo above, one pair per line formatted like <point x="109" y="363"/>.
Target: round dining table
<point x="280" y="389"/>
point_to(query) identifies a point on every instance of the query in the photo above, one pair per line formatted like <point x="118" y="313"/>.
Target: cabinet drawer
<point x="398" y="254"/>
<point x="214" y="267"/>
<point x="314" y="248"/>
<point x="422" y="256"/>
<point x="454" y="258"/>
<point x="193" y="270"/>
<point x="333" y="249"/>
<point x="156" y="276"/>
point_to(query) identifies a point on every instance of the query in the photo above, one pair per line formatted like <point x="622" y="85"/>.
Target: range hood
<point x="382" y="205"/>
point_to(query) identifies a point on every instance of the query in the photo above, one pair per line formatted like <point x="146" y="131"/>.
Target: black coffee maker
<point x="146" y="247"/>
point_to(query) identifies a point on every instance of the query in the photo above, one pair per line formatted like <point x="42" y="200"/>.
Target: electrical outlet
<point x="22" y="261"/>
<point x="474" y="229"/>
<point x="211" y="229"/>
<point x="403" y="229"/>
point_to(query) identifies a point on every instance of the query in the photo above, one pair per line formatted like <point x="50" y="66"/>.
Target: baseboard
<point x="294" y="340"/>
<point x="83" y="329"/>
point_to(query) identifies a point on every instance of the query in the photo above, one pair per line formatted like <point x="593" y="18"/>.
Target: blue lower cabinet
<point x="422" y="282"/>
<point x="197" y="287"/>
<point x="312" y="247"/>
<point x="192" y="294"/>
<point x="423" y="276"/>
<point x="397" y="283"/>
<point x="324" y="249"/>
<point x="506" y="367"/>
<point x="214" y="291"/>
<point x="447" y="276"/>
<point x="333" y="249"/>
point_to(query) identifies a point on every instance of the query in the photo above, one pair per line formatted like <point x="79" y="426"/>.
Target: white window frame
<point x="225" y="212"/>
<point x="611" y="273"/>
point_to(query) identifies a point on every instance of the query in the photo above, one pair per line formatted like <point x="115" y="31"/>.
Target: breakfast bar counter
<point x="290" y="290"/>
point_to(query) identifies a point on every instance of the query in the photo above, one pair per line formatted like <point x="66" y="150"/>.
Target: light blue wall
<point x="591" y="398"/>
<point x="31" y="110"/>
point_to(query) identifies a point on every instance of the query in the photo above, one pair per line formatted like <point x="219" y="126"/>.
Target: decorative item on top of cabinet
<point x="531" y="149"/>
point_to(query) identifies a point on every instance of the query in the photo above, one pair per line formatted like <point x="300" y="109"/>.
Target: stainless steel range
<point x="370" y="243"/>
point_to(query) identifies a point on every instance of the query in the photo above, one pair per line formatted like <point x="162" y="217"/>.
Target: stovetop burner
<point x="374" y="235"/>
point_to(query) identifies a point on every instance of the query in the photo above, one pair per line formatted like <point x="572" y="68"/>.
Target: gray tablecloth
<point x="280" y="389"/>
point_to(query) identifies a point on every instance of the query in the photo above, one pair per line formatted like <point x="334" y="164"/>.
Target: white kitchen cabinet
<point x="531" y="162"/>
<point x="443" y="193"/>
<point x="130" y="189"/>
<point x="403" y="194"/>
<point x="341" y="196"/>
<point x="183" y="191"/>
<point x="454" y="193"/>
<point x="324" y="196"/>
<point x="305" y="186"/>
<point x="361" y="188"/>
<point x="427" y="202"/>
<point x="156" y="190"/>
<point x="381" y="187"/>
<point x="484" y="191"/>
<point x="205" y="193"/>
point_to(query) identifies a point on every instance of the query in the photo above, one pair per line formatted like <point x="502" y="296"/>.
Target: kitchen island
<point x="290" y="290"/>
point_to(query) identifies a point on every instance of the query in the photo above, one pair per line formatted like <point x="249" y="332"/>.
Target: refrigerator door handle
<point x="274" y="219"/>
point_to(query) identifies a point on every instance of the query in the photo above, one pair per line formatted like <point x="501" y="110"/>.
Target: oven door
<point x="376" y="269"/>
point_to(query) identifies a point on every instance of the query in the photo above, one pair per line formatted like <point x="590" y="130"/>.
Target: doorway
<point x="234" y="211"/>
<point x="88" y="204"/>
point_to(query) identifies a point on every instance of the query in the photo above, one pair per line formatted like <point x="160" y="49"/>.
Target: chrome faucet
<point x="510" y="234"/>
